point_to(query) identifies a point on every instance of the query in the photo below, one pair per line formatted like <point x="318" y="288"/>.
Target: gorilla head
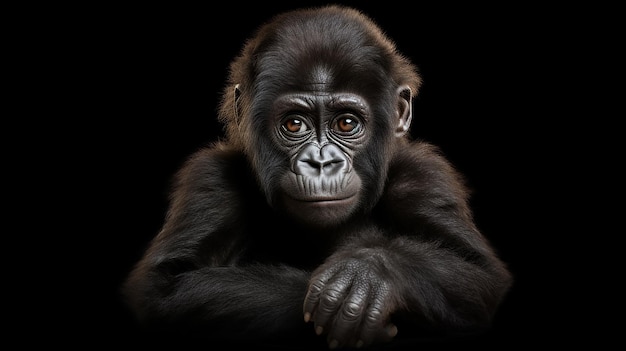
<point x="318" y="103"/>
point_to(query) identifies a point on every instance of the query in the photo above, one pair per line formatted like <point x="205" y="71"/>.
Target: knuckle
<point x="315" y="288"/>
<point x="352" y="311"/>
<point x="330" y="297"/>
<point x="374" y="316"/>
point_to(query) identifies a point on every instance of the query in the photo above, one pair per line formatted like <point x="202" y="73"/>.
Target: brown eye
<point x="294" y="125"/>
<point x="347" y="125"/>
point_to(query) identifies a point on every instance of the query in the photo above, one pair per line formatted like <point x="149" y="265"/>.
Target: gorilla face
<point x="320" y="132"/>
<point x="334" y="145"/>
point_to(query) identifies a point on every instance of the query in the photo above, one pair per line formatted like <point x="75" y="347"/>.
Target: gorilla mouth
<point x="322" y="199"/>
<point x="320" y="211"/>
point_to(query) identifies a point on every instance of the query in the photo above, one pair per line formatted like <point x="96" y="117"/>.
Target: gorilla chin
<point x="320" y="212"/>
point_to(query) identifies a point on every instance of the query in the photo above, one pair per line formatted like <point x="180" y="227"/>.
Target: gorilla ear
<point x="405" y="110"/>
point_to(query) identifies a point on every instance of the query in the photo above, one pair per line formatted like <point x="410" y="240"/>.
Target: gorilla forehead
<point x="310" y="48"/>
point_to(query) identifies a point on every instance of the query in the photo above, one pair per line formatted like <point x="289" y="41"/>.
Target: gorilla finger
<point x="344" y="331"/>
<point x="375" y="325"/>
<point x="316" y="285"/>
<point x="330" y="301"/>
<point x="345" y="328"/>
<point x="311" y="300"/>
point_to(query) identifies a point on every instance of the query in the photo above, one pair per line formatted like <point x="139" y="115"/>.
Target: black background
<point x="133" y="90"/>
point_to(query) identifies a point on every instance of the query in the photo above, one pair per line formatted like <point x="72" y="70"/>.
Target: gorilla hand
<point x="351" y="301"/>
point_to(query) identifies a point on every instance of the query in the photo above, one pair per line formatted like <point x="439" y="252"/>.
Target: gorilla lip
<point x="320" y="202"/>
<point x="324" y="199"/>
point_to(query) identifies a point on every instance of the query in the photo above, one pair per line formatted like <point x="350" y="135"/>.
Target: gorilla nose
<point x="314" y="161"/>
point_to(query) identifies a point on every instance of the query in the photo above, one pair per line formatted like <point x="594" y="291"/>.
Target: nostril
<point x="332" y="163"/>
<point x="325" y="164"/>
<point x="314" y="164"/>
<point x="316" y="167"/>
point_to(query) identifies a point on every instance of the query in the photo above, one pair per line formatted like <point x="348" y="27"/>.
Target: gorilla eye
<point x="294" y="125"/>
<point x="346" y="124"/>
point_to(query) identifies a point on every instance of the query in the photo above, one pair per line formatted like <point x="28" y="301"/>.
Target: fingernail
<point x="319" y="330"/>
<point x="307" y="317"/>
<point x="333" y="344"/>
<point x="393" y="331"/>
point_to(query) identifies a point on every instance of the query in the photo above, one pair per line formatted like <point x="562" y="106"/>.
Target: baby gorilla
<point x="317" y="206"/>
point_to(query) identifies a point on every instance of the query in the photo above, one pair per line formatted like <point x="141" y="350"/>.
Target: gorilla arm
<point x="192" y="275"/>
